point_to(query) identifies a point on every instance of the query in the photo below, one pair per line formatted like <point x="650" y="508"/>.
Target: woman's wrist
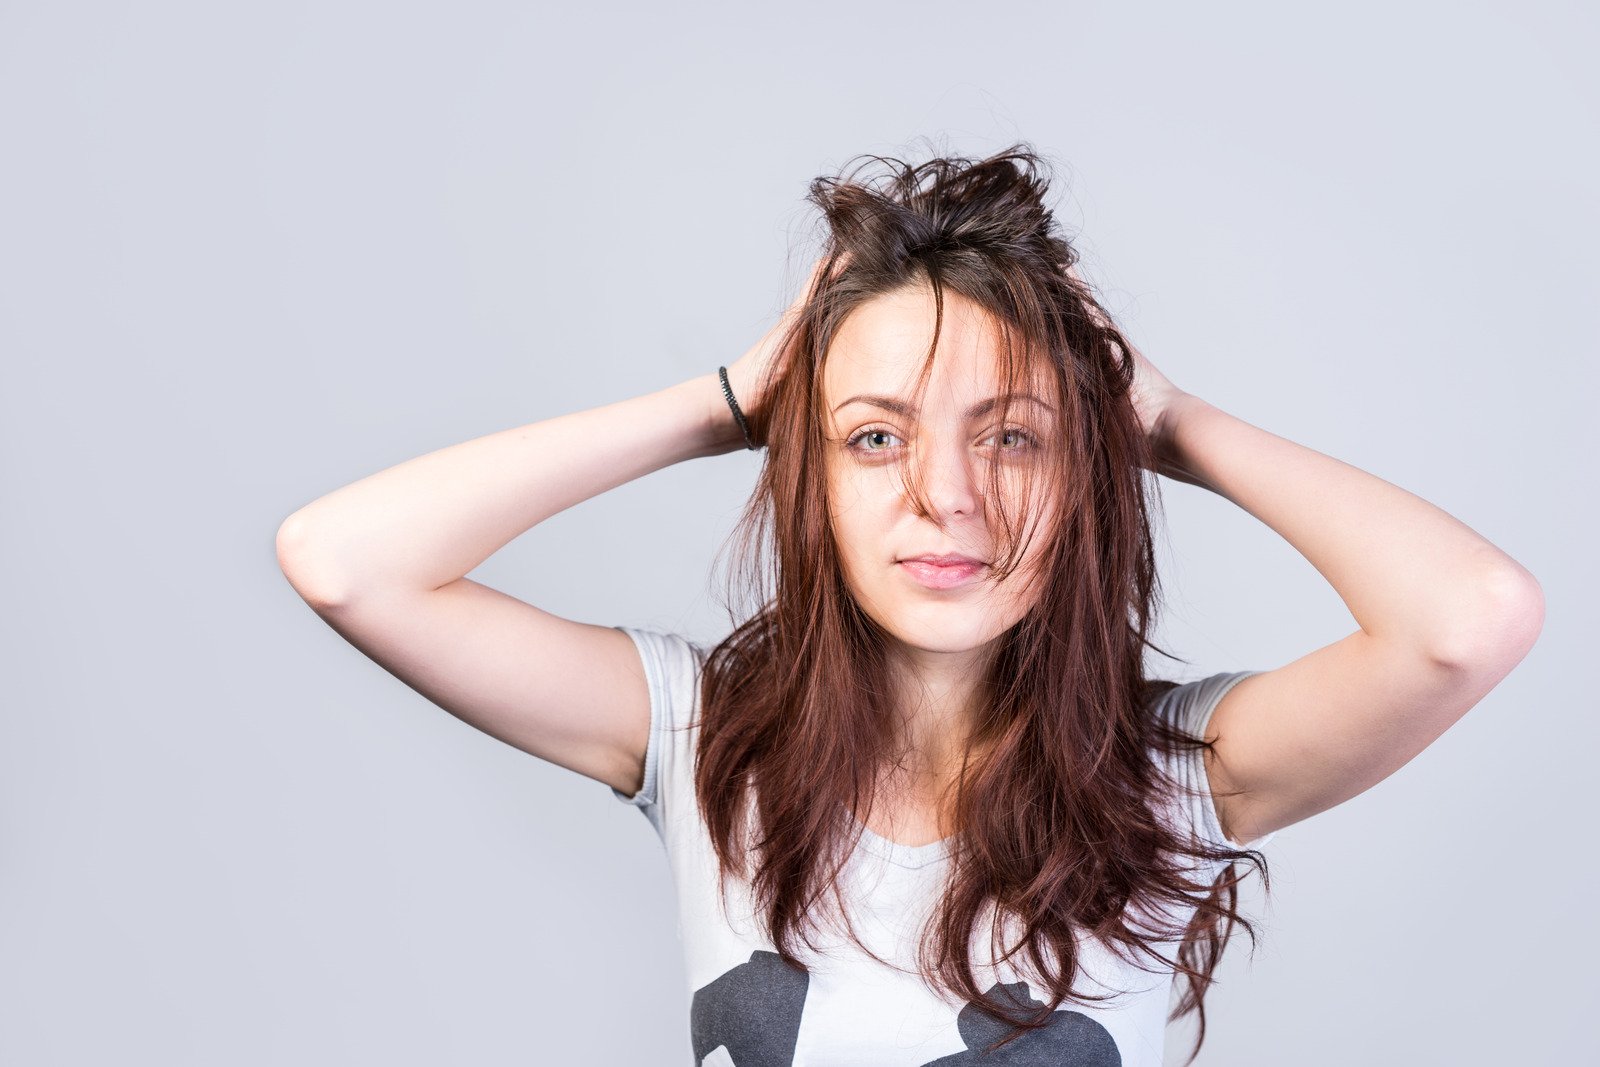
<point x="1168" y="441"/>
<point x="720" y="431"/>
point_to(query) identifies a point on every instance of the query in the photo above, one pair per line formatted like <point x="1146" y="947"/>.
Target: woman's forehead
<point x="881" y="346"/>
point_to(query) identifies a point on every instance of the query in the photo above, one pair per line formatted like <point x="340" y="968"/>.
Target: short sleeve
<point x="672" y="666"/>
<point x="1189" y="707"/>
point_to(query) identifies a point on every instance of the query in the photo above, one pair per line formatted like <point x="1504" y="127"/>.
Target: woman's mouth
<point x="941" y="576"/>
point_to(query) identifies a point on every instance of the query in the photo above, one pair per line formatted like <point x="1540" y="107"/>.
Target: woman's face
<point x="954" y="443"/>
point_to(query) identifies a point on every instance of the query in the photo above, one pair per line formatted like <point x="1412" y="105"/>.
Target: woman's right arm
<point x="383" y="561"/>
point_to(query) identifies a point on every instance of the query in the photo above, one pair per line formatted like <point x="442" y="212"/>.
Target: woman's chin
<point x="946" y="631"/>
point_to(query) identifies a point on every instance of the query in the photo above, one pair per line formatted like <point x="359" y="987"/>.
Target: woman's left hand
<point x="1157" y="401"/>
<point x="1155" y="398"/>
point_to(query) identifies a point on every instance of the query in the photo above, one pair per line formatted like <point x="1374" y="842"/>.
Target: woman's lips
<point x="934" y="576"/>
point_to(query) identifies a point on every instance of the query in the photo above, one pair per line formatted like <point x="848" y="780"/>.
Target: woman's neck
<point x="937" y="697"/>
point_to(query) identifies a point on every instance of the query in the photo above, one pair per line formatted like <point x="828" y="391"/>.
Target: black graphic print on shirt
<point x="753" y="1009"/>
<point x="1070" y="1038"/>
<point x="754" y="1012"/>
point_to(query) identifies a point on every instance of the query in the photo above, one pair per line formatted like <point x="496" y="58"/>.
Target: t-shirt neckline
<point x="901" y="855"/>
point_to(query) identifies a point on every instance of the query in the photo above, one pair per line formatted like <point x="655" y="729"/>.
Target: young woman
<point x="925" y="806"/>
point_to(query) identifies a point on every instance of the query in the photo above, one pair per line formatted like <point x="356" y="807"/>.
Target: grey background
<point x="252" y="252"/>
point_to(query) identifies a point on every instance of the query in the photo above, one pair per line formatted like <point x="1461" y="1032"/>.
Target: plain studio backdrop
<point x="250" y="253"/>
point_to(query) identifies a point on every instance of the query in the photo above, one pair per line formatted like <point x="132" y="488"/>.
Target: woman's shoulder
<point x="1185" y="709"/>
<point x="1187" y="706"/>
<point x="673" y="664"/>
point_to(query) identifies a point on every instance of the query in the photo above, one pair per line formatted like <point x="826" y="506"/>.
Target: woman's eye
<point x="867" y="433"/>
<point x="1023" y="438"/>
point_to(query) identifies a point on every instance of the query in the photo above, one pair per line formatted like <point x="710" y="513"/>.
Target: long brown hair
<point x="1054" y="809"/>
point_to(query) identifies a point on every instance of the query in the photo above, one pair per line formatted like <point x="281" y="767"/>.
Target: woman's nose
<point x="949" y="480"/>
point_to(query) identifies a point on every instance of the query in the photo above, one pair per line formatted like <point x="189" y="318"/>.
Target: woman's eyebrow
<point x="900" y="407"/>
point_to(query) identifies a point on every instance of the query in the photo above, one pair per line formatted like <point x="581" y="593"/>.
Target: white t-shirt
<point x="750" y="1009"/>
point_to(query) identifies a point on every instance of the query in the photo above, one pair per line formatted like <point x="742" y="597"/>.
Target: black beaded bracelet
<point x="738" y="415"/>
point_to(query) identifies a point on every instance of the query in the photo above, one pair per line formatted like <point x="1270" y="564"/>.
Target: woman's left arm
<point x="1443" y="616"/>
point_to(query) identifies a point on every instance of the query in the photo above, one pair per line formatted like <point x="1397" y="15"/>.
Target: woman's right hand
<point x="750" y="376"/>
